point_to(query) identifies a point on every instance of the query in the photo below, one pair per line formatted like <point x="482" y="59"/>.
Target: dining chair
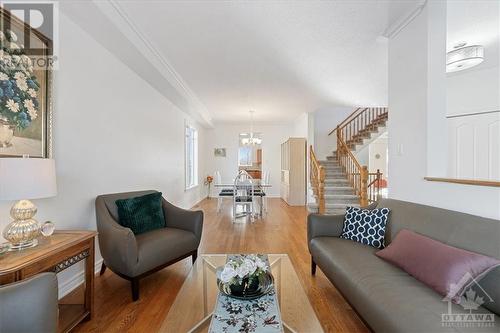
<point x="223" y="192"/>
<point x="243" y="195"/>
<point x="267" y="180"/>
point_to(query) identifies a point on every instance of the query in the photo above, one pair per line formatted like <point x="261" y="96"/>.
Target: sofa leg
<point x="134" y="283"/>
<point x="103" y="268"/>
<point x="313" y="267"/>
<point x="194" y="256"/>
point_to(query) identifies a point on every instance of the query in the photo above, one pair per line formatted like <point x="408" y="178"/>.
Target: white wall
<point x="378" y="147"/>
<point x="473" y="90"/>
<point x="324" y="121"/>
<point x="225" y="135"/>
<point x="112" y="133"/>
<point x="410" y="105"/>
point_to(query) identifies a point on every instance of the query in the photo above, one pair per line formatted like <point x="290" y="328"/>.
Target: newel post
<point x="379" y="181"/>
<point x="364" y="186"/>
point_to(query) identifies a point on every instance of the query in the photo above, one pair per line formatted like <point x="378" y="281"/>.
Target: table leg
<point x="89" y="280"/>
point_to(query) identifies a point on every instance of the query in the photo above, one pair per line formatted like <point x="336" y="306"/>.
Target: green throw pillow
<point x="141" y="214"/>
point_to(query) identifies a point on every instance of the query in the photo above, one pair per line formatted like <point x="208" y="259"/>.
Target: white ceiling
<point x="275" y="57"/>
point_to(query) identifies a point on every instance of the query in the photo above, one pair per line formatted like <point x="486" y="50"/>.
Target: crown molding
<point x="122" y="21"/>
<point x="394" y="29"/>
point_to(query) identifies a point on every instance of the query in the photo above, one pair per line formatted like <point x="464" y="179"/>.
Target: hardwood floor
<point x="283" y="230"/>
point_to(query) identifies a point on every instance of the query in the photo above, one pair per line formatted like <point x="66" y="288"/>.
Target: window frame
<point x="191" y="167"/>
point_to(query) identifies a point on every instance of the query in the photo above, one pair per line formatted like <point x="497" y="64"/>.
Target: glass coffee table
<point x="193" y="306"/>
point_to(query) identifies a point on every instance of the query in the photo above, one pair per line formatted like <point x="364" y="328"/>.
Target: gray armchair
<point x="135" y="256"/>
<point x="29" y="305"/>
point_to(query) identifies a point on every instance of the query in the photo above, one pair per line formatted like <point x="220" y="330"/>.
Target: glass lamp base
<point x="23" y="245"/>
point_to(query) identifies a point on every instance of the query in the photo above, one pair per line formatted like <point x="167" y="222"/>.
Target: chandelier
<point x="251" y="140"/>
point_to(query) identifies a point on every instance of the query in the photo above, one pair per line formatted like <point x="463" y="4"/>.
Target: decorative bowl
<point x="248" y="291"/>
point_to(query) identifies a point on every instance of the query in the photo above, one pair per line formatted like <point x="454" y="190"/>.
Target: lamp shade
<point x="27" y="178"/>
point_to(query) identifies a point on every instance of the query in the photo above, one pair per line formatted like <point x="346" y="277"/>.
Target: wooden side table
<point x="54" y="254"/>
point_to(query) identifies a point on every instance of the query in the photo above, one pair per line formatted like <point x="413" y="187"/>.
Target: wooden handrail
<point x="345" y="120"/>
<point x="357" y="175"/>
<point x="366" y="185"/>
<point x="317" y="177"/>
<point x="477" y="182"/>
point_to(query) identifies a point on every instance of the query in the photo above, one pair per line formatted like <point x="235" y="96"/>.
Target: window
<point x="191" y="157"/>
<point x="245" y="156"/>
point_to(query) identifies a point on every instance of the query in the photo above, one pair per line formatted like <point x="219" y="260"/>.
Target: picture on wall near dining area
<point x="220" y="152"/>
<point x="25" y="117"/>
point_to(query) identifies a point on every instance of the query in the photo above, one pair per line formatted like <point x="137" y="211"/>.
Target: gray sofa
<point x="135" y="256"/>
<point x="387" y="298"/>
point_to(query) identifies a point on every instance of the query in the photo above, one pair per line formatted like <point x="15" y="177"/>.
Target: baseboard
<point x="75" y="281"/>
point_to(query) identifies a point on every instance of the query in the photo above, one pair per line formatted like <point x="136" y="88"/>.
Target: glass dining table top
<point x="193" y="307"/>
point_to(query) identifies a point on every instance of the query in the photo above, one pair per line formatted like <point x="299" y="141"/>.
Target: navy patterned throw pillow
<point x="365" y="226"/>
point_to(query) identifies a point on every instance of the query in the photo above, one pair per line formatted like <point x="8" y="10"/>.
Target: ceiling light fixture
<point x="251" y="140"/>
<point x="463" y="57"/>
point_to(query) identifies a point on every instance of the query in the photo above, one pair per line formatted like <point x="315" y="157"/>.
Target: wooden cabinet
<point x="293" y="171"/>
<point x="255" y="174"/>
<point x="54" y="254"/>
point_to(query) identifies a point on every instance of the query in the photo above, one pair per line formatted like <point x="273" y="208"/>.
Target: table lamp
<point x="22" y="179"/>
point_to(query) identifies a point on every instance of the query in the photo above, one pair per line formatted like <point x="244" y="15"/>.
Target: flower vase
<point x="6" y="134"/>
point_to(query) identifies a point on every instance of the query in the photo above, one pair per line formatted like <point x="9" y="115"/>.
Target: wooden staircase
<point x="341" y="181"/>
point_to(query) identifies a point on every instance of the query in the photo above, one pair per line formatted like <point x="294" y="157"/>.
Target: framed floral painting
<point x="25" y="90"/>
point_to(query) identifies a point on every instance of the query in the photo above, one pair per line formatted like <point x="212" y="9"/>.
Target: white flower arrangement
<point x="236" y="270"/>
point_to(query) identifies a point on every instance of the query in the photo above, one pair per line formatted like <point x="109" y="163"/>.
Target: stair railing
<point x="374" y="185"/>
<point x="360" y="121"/>
<point x="349" y="132"/>
<point x="317" y="177"/>
<point x="357" y="175"/>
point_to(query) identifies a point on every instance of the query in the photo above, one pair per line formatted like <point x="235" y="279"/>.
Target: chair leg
<point x="194" y="256"/>
<point x="313" y="267"/>
<point x="103" y="268"/>
<point x="134" y="283"/>
<point x="219" y="204"/>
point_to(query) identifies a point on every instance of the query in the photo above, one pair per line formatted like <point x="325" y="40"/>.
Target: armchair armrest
<point x="117" y="244"/>
<point x="324" y="225"/>
<point x="179" y="218"/>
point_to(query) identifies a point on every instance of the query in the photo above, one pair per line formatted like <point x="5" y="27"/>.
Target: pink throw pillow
<point x="446" y="269"/>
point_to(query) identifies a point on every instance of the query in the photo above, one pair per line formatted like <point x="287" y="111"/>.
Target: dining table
<point x="257" y="183"/>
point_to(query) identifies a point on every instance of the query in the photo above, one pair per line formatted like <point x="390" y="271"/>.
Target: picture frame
<point x="34" y="137"/>
<point x="220" y="152"/>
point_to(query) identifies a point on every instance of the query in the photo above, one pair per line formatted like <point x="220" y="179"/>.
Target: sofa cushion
<point x="141" y="214"/>
<point x="446" y="269"/>
<point x="387" y="298"/>
<point x="365" y="226"/>
<point x="160" y="246"/>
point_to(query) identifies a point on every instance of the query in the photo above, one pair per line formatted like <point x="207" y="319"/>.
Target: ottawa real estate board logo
<point x="466" y="301"/>
<point x="30" y="31"/>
